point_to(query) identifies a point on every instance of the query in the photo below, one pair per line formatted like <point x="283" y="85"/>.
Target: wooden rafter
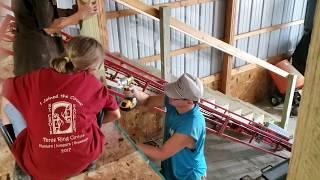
<point x="177" y="4"/>
<point x="242" y="69"/>
<point x="203" y="37"/>
<point x="174" y="53"/>
<point x="102" y="24"/>
<point x="268" y="29"/>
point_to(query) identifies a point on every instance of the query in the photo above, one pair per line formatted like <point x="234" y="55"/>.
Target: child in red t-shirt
<point x="59" y="106"/>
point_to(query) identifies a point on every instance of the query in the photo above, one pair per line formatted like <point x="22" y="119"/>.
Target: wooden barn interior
<point x="235" y="48"/>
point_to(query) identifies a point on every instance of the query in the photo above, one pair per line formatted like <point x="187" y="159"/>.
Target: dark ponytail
<point x="62" y="65"/>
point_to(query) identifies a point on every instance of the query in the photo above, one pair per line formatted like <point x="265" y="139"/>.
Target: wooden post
<point x="165" y="42"/>
<point x="305" y="161"/>
<point x="292" y="80"/>
<point x="102" y="20"/>
<point x="229" y="38"/>
<point x="95" y="26"/>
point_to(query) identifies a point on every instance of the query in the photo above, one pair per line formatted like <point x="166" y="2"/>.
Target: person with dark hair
<point x="38" y="24"/>
<point x="58" y="106"/>
<point x="182" y="153"/>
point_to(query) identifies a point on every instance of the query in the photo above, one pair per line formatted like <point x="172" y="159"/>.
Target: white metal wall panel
<point x="205" y="55"/>
<point x="244" y="8"/>
<point x="138" y="36"/>
<point x="219" y="7"/>
<point x="266" y="22"/>
<point x="296" y="30"/>
<point x="255" y="24"/>
<point x="284" y="33"/>
<point x="275" y="35"/>
<point x="112" y="28"/>
<point x="191" y="59"/>
<point x="177" y="42"/>
<point x="266" y="13"/>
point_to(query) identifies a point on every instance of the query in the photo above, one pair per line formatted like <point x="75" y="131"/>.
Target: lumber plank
<point x="203" y="37"/>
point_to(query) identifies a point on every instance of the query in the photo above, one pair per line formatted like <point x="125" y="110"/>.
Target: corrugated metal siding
<point x="257" y="14"/>
<point x="138" y="36"/>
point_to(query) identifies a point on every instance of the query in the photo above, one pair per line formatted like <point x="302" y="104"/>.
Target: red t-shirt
<point x="62" y="136"/>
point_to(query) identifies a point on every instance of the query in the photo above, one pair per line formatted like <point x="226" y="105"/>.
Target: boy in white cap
<point x="182" y="153"/>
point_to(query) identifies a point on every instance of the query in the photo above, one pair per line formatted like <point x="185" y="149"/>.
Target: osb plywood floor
<point x="6" y="67"/>
<point x="6" y="160"/>
<point x="120" y="160"/>
<point x="142" y="125"/>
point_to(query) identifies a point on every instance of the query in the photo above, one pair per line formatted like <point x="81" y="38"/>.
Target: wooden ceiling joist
<point x="177" y="4"/>
<point x="174" y="53"/>
<point x="203" y="37"/>
<point x="268" y="29"/>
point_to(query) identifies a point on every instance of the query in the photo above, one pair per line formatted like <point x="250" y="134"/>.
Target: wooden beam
<point x="210" y="79"/>
<point x="305" y="159"/>
<point x="292" y="80"/>
<point x="102" y="21"/>
<point x="177" y="4"/>
<point x="242" y="69"/>
<point x="203" y="37"/>
<point x="90" y="26"/>
<point x="268" y="29"/>
<point x="229" y="38"/>
<point x="95" y="27"/>
<point x="174" y="53"/>
<point x="165" y="42"/>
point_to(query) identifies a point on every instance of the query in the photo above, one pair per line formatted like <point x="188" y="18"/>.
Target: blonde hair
<point x="81" y="53"/>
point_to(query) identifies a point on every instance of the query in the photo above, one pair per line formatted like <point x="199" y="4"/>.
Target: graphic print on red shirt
<point x="62" y="136"/>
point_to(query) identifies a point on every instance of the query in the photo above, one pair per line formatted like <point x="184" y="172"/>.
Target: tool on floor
<point x="130" y="102"/>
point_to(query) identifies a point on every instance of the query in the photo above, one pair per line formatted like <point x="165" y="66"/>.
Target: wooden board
<point x="141" y="125"/>
<point x="120" y="160"/>
<point x="6" y="160"/>
<point x="251" y="86"/>
<point x="305" y="160"/>
<point x="131" y="166"/>
<point x="249" y="83"/>
<point x="177" y="4"/>
<point x="6" y="67"/>
<point x="229" y="31"/>
<point x="203" y="37"/>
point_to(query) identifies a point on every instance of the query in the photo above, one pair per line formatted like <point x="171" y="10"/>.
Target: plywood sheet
<point x="130" y="167"/>
<point x="142" y="125"/>
<point x="6" y="67"/>
<point x="252" y="85"/>
<point x="6" y="159"/>
<point x="120" y="160"/>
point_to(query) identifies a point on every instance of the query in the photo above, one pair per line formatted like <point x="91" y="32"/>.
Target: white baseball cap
<point x="186" y="87"/>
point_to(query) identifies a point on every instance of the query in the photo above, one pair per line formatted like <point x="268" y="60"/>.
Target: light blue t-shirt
<point x="187" y="164"/>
